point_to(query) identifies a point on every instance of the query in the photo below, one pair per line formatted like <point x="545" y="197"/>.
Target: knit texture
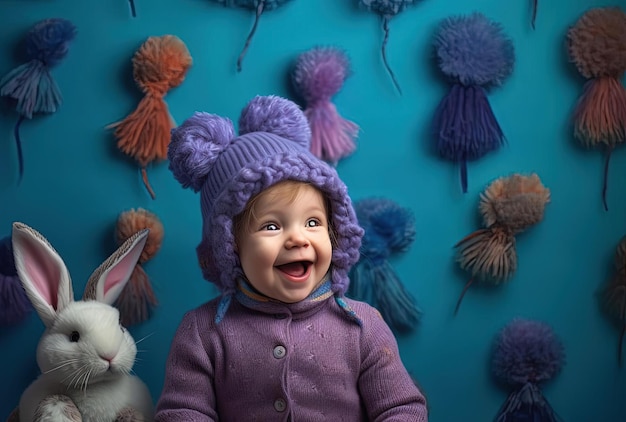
<point x="227" y="171"/>
<point x="306" y="361"/>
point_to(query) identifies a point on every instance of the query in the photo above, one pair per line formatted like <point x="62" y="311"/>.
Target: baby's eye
<point x="270" y="226"/>
<point x="313" y="222"/>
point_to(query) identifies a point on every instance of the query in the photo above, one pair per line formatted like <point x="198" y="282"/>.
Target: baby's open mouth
<point x="295" y="269"/>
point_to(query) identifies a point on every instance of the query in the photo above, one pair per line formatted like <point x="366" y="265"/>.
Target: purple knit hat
<point x="273" y="146"/>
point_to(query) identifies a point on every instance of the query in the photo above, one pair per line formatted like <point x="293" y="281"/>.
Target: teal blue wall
<point x="76" y="182"/>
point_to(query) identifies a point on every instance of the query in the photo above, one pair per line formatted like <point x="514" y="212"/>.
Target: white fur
<point x="84" y="353"/>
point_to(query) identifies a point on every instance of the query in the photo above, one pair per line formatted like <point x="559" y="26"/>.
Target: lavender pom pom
<point x="275" y="115"/>
<point x="48" y="41"/>
<point x="474" y="50"/>
<point x="527" y="352"/>
<point x="195" y="145"/>
<point x="320" y="73"/>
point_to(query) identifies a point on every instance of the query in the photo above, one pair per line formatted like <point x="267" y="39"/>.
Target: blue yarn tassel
<point x="14" y="304"/>
<point x="527" y="404"/>
<point x="31" y="83"/>
<point x="379" y="285"/>
<point x="465" y="127"/>
<point x="389" y="229"/>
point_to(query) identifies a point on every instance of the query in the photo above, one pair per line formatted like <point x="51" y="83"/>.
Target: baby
<point x="279" y="236"/>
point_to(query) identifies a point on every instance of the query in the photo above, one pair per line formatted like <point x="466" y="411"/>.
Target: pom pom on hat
<point x="273" y="146"/>
<point x="527" y="353"/>
<point x="137" y="300"/>
<point x="389" y="229"/>
<point x="31" y="84"/>
<point x="195" y="145"/>
<point x="509" y="206"/>
<point x="318" y="75"/>
<point x="275" y="115"/>
<point x="14" y="304"/>
<point x="160" y="64"/>
<point x="475" y="54"/>
<point x="597" y="46"/>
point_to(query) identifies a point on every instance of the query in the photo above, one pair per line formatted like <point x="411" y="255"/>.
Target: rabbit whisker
<point x="61" y="365"/>
<point x="144" y="337"/>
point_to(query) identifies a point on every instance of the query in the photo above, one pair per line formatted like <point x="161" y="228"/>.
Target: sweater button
<point x="279" y="352"/>
<point x="280" y="405"/>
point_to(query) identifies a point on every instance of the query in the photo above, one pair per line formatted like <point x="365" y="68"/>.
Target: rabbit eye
<point x="74" y="337"/>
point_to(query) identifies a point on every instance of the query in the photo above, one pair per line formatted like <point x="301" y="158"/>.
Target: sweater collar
<point x="251" y="298"/>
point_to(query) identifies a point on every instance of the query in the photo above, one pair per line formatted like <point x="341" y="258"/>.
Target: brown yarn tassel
<point x="508" y="206"/>
<point x="160" y="64"/>
<point x="137" y="300"/>
<point x="597" y="46"/>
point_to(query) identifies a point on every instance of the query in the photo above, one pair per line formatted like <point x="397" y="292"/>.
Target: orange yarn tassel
<point x="137" y="300"/>
<point x="160" y="63"/>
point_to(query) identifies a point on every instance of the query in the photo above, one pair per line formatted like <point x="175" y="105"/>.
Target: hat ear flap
<point x="276" y="115"/>
<point x="195" y="146"/>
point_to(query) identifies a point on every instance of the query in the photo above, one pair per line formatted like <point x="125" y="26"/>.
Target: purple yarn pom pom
<point x="527" y="351"/>
<point x="474" y="50"/>
<point x="195" y="145"/>
<point x="320" y="73"/>
<point x="48" y="41"/>
<point x="275" y="115"/>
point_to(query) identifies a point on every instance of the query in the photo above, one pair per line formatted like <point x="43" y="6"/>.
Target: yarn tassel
<point x="14" y="304"/>
<point x="160" y="64"/>
<point x="489" y="252"/>
<point x="31" y="84"/>
<point x="383" y="51"/>
<point x="144" y="133"/>
<point x="396" y="305"/>
<point x="526" y="404"/>
<point x="137" y="301"/>
<point x="600" y="114"/>
<point x="389" y="229"/>
<point x="333" y="137"/>
<point x="318" y="75"/>
<point x="465" y="126"/>
<point x="259" y="11"/>
<point x="600" y="118"/>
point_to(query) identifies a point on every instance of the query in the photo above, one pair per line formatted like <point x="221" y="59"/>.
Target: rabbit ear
<point x="42" y="273"/>
<point x="109" y="279"/>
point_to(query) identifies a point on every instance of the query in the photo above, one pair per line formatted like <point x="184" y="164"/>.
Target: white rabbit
<point x="84" y="354"/>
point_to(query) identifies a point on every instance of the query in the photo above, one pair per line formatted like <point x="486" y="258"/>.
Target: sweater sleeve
<point x="188" y="390"/>
<point x="388" y="391"/>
